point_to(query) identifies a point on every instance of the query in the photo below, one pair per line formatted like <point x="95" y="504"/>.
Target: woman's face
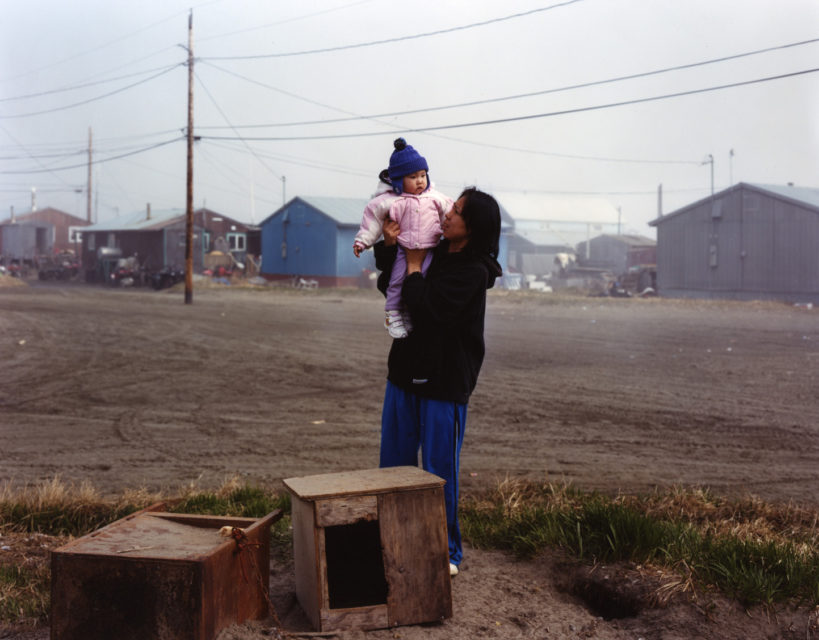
<point x="454" y="227"/>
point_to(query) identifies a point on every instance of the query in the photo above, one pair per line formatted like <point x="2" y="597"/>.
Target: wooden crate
<point x="371" y="548"/>
<point x="160" y="575"/>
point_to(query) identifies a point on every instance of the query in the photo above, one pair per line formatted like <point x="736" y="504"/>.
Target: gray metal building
<point x="748" y="242"/>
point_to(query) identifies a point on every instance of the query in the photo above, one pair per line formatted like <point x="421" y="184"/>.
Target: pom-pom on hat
<point x="404" y="161"/>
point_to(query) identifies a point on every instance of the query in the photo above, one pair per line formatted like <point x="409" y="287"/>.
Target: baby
<point x="405" y="196"/>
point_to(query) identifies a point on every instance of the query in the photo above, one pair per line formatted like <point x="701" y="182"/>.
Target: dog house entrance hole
<point x="355" y="565"/>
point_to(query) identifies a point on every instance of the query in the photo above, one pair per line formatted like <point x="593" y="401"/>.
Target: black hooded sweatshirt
<point x="442" y="355"/>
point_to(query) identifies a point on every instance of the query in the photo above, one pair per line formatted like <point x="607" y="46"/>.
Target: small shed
<point x="62" y="231"/>
<point x="25" y="240"/>
<point x="617" y="252"/>
<point x="312" y="238"/>
<point x="750" y="241"/>
<point x="156" y="238"/>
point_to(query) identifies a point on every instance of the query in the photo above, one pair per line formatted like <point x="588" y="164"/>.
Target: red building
<point x="63" y="229"/>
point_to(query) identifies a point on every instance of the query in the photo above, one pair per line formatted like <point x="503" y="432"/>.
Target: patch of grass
<point x="57" y="508"/>
<point x="243" y="501"/>
<point x="24" y="593"/>
<point x="753" y="552"/>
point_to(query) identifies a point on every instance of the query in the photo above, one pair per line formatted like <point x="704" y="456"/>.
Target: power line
<point x="398" y="39"/>
<point x="85" y="85"/>
<point x="102" y="46"/>
<point x="295" y="19"/>
<point x="219" y="109"/>
<point x="518" y="96"/>
<point x="284" y="92"/>
<point x="375" y="119"/>
<point x="68" y="153"/>
<point x="302" y="162"/>
<point x="95" y="162"/>
<point x="44" y="168"/>
<point x="70" y="147"/>
<point x="526" y="117"/>
<point x="105" y="95"/>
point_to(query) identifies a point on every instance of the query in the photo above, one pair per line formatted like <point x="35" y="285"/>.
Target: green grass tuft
<point x="722" y="553"/>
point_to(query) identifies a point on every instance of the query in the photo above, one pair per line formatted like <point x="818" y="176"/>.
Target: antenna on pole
<point x="88" y="206"/>
<point x="189" y="199"/>
<point x="709" y="159"/>
<point x="660" y="200"/>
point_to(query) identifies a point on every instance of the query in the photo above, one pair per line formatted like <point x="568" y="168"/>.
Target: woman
<point x="433" y="371"/>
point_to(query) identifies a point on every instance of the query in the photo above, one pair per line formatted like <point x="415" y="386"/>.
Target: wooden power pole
<point x="189" y="202"/>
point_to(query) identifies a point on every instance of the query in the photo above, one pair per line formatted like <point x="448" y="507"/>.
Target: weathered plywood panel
<point x="346" y="510"/>
<point x="416" y="558"/>
<point x="306" y="556"/>
<point x="374" y="617"/>
<point x="367" y="481"/>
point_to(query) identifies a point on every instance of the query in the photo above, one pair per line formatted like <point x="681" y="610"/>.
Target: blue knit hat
<point x="404" y="161"/>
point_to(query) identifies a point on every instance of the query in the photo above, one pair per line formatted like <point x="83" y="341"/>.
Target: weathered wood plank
<point x="367" y="481"/>
<point x="346" y="510"/>
<point x="306" y="557"/>
<point x="416" y="555"/>
<point x="373" y="617"/>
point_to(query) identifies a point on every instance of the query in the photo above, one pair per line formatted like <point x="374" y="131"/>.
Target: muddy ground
<point x="130" y="388"/>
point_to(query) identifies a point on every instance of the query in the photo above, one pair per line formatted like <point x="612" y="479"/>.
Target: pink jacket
<point x="418" y="216"/>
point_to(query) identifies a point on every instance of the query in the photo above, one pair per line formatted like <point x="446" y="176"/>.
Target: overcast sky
<point x="301" y="97"/>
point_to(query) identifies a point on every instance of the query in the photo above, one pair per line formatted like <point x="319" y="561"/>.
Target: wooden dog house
<point x="371" y="548"/>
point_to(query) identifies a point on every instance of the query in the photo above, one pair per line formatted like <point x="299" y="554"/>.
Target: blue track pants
<point x="409" y="423"/>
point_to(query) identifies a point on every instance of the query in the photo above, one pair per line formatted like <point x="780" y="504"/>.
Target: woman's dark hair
<point x="481" y="215"/>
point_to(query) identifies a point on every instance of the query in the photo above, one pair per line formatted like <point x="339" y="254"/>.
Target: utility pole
<point x="88" y="206"/>
<point x="284" y="190"/>
<point x="731" y="168"/>
<point x="189" y="200"/>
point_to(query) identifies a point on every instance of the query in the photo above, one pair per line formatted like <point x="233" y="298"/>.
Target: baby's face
<point x="415" y="183"/>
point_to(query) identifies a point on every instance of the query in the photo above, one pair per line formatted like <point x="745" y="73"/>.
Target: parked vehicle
<point x="63" y="266"/>
<point x="167" y="277"/>
<point x="126" y="273"/>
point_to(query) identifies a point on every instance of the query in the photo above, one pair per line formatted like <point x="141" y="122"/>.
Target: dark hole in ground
<point x="606" y="600"/>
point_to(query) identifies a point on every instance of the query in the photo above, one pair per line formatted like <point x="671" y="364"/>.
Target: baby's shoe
<point x="395" y="324"/>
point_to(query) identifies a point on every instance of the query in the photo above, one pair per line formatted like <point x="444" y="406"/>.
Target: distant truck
<point x="62" y="266"/>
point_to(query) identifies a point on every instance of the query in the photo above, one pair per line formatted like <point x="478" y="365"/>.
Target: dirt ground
<point x="131" y="388"/>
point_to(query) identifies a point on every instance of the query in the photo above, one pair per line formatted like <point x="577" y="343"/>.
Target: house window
<point x="206" y="241"/>
<point x="236" y="241"/>
<point x="92" y="241"/>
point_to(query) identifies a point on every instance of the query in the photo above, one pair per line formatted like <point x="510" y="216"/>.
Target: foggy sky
<point x="48" y="49"/>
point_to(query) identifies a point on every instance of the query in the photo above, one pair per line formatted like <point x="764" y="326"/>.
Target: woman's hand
<point x="415" y="259"/>
<point x="391" y="231"/>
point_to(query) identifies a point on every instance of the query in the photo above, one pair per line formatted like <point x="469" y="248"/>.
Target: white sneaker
<point x="453" y="569"/>
<point x="394" y="323"/>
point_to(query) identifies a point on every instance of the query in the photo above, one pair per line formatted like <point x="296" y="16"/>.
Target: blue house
<point x="312" y="238"/>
